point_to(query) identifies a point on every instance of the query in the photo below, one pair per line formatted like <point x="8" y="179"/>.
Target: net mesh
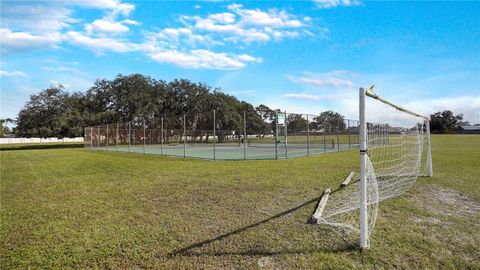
<point x="394" y="160"/>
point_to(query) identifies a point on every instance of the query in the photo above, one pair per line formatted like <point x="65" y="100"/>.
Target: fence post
<point x="348" y="130"/>
<point x="214" y="135"/>
<point x="107" y="138"/>
<point x="129" y="134"/>
<point x="184" y="136"/>
<point x="285" y="123"/>
<point x="116" y="138"/>
<point x="98" y="136"/>
<point x="244" y="135"/>
<point x="161" y="136"/>
<point x="324" y="138"/>
<point x="91" y="138"/>
<point x="134" y="138"/>
<point x="308" y="136"/>
<point x="338" y="134"/>
<point x="144" y="136"/>
<point x="276" y="134"/>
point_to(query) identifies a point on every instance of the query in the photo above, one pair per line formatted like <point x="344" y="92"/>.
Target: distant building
<point x="469" y="129"/>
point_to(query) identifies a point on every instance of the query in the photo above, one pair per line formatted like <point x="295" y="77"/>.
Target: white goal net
<point x="393" y="154"/>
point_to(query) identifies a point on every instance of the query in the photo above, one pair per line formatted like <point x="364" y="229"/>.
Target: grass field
<point x="70" y="208"/>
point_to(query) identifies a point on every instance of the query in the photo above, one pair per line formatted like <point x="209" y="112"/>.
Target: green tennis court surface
<point x="230" y="151"/>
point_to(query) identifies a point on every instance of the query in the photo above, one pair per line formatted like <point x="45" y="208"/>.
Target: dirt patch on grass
<point x="446" y="202"/>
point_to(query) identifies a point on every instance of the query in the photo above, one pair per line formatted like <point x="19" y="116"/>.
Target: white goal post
<point x="367" y="166"/>
<point x="395" y="150"/>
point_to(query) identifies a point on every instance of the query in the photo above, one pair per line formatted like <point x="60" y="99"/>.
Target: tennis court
<point x="286" y="135"/>
<point x="231" y="151"/>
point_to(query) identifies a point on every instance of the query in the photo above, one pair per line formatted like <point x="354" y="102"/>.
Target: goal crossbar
<point x="377" y="97"/>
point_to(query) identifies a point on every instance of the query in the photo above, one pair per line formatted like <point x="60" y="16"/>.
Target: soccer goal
<point x="394" y="151"/>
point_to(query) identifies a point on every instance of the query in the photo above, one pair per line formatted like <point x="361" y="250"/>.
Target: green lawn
<point x="70" y="208"/>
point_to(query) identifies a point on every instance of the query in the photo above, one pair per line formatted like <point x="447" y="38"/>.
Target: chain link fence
<point x="223" y="135"/>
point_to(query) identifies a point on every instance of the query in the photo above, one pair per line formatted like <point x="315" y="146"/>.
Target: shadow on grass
<point x="40" y="146"/>
<point x="187" y="251"/>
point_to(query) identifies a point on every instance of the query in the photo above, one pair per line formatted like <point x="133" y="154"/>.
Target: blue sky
<point x="302" y="56"/>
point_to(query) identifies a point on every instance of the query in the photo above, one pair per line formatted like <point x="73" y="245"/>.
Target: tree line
<point x="142" y="100"/>
<point x="139" y="99"/>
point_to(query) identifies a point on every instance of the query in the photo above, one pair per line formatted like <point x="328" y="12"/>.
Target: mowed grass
<point x="70" y="208"/>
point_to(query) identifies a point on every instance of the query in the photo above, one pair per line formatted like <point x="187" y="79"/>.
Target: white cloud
<point x="109" y="24"/>
<point x="116" y="6"/>
<point x="335" y="79"/>
<point x="248" y="58"/>
<point x="271" y="18"/>
<point x="35" y="18"/>
<point x="27" y="26"/>
<point x="192" y="45"/>
<point x="336" y="3"/>
<point x="203" y="59"/>
<point x="14" y="73"/>
<point x="23" y="41"/>
<point x="303" y="96"/>
<point x="307" y="96"/>
<point x="247" y="25"/>
<point x="467" y="105"/>
<point x="225" y="17"/>
<point x="100" y="44"/>
<point x="104" y="26"/>
<point x="378" y="112"/>
<point x="62" y="69"/>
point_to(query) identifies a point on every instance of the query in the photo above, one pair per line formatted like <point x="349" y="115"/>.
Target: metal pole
<point x="348" y="130"/>
<point x="98" y="136"/>
<point x="116" y="138"/>
<point x="338" y="135"/>
<point x="161" y="136"/>
<point x="91" y="137"/>
<point x="129" y="134"/>
<point x="184" y="136"/>
<point x="214" y="152"/>
<point x="107" y="137"/>
<point x="276" y="134"/>
<point x="134" y="138"/>
<point x="286" y="134"/>
<point x="363" y="175"/>
<point x="244" y="135"/>
<point x="429" y="151"/>
<point x="308" y="136"/>
<point x="144" y="136"/>
<point x="324" y="138"/>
